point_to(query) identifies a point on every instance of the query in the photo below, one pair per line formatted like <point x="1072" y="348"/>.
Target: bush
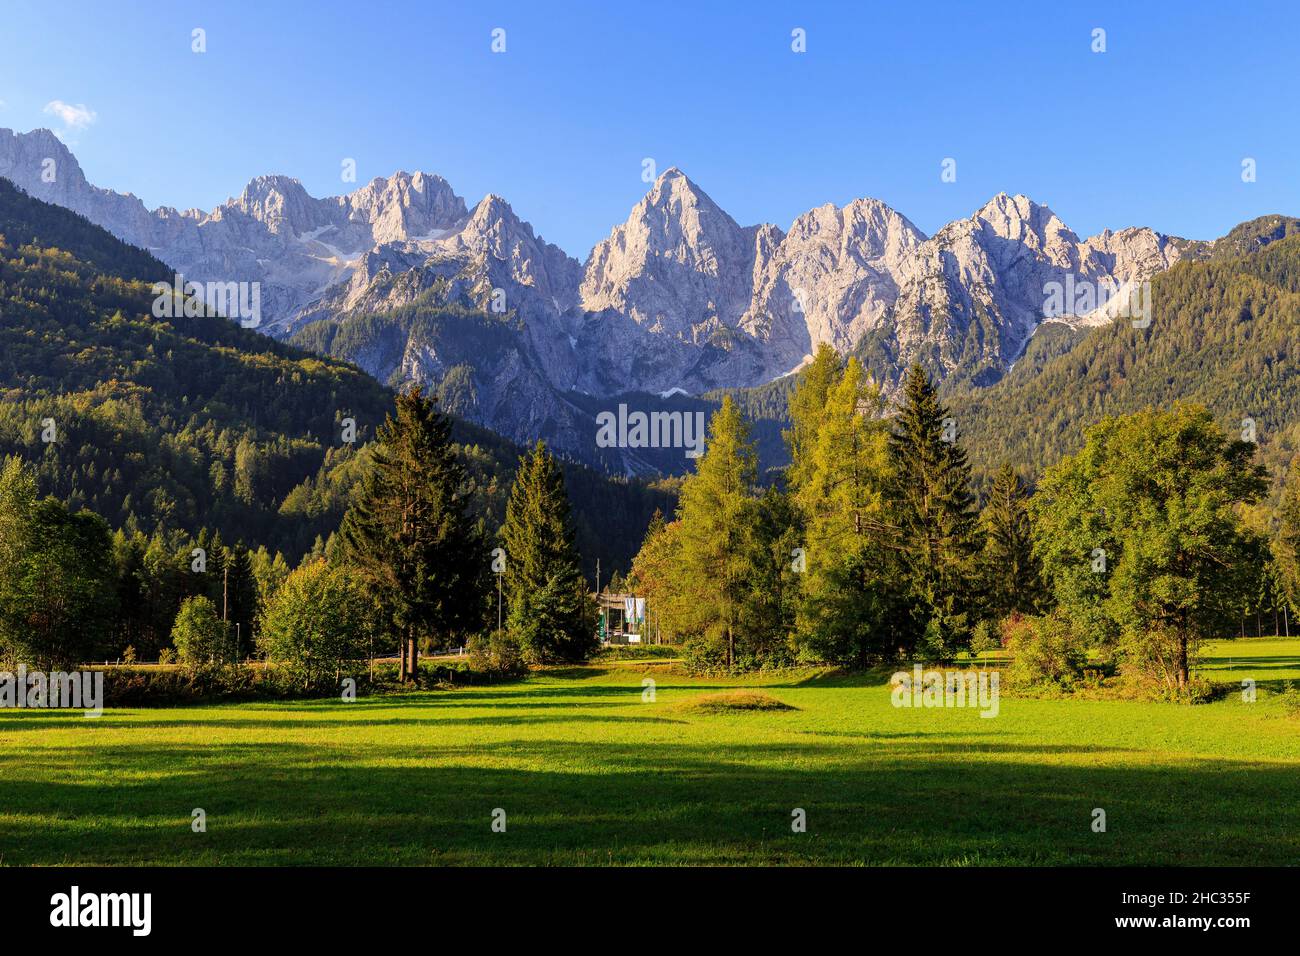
<point x="204" y="643"/>
<point x="985" y="637"/>
<point x="318" y="625"/>
<point x="148" y="686"/>
<point x="1045" y="650"/>
<point x="496" y="654"/>
<point x="1290" y="699"/>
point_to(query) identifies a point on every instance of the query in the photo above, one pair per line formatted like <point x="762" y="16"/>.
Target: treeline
<point x="875" y="548"/>
<point x="411" y="571"/>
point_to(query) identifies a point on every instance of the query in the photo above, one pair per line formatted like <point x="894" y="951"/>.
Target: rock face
<point x="979" y="288"/>
<point x="402" y="278"/>
<point x="831" y="279"/>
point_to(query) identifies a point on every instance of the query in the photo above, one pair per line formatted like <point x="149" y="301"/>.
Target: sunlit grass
<point x="589" y="771"/>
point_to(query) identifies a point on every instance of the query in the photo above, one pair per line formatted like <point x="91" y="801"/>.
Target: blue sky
<point x="1151" y="132"/>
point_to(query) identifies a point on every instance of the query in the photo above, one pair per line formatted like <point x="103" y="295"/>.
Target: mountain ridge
<point x="678" y="297"/>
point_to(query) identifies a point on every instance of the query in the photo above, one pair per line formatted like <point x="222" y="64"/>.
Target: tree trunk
<point x="731" y="646"/>
<point x="414" y="656"/>
<point x="1182" y="662"/>
<point x="401" y="668"/>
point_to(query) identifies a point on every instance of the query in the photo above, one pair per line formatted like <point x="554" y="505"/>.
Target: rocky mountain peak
<point x="406" y="206"/>
<point x="679" y="263"/>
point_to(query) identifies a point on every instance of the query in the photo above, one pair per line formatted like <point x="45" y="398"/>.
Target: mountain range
<point x="402" y="278"/>
<point x="176" y="425"/>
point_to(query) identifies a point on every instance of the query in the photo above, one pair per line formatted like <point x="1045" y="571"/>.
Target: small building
<point x="623" y="619"/>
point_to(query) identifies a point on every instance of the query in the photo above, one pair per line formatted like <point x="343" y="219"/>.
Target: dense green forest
<point x="1222" y="335"/>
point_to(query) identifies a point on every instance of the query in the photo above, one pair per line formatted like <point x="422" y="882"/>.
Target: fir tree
<point x="937" y="533"/>
<point x="552" y="615"/>
<point x="410" y="533"/>
<point x="1012" y="575"/>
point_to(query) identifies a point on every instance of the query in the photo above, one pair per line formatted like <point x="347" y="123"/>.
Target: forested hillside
<point x="1223" y="334"/>
<point x="190" y="423"/>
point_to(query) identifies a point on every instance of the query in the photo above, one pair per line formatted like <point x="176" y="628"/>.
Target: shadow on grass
<point x="920" y="802"/>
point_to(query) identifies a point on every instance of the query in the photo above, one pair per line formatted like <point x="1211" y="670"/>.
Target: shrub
<point x="496" y="653"/>
<point x="1290" y="699"/>
<point x="1045" y="650"/>
<point x="985" y="637"/>
<point x="318" y="625"/>
<point x="204" y="643"/>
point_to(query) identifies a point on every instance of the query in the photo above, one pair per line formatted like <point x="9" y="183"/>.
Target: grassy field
<point x="589" y="773"/>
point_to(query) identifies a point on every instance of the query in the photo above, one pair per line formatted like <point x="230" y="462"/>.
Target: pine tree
<point x="1012" y="575"/>
<point x="409" y="532"/>
<point x="552" y="615"/>
<point x="242" y="606"/>
<point x="937" y="533"/>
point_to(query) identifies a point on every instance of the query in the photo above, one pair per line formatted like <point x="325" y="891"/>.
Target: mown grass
<point x="590" y="772"/>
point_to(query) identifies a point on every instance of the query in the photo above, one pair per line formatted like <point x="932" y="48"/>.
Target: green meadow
<point x="588" y="772"/>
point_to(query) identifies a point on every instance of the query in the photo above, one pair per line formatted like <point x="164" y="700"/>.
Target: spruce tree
<point x="552" y="615"/>
<point x="934" y="520"/>
<point x="1012" y="575"/>
<point x="410" y="533"/>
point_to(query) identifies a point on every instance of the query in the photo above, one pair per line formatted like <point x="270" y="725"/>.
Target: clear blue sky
<point x="1151" y="132"/>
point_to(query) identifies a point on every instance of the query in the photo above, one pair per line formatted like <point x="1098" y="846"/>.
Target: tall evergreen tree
<point x="552" y="615"/>
<point x="409" y="532"/>
<point x="808" y="412"/>
<point x="938" y="535"/>
<point x="1012" y="575"/>
<point x="716" y="517"/>
<point x="844" y="612"/>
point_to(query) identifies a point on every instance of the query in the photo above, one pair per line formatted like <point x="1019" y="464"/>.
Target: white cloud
<point x="73" y="117"/>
